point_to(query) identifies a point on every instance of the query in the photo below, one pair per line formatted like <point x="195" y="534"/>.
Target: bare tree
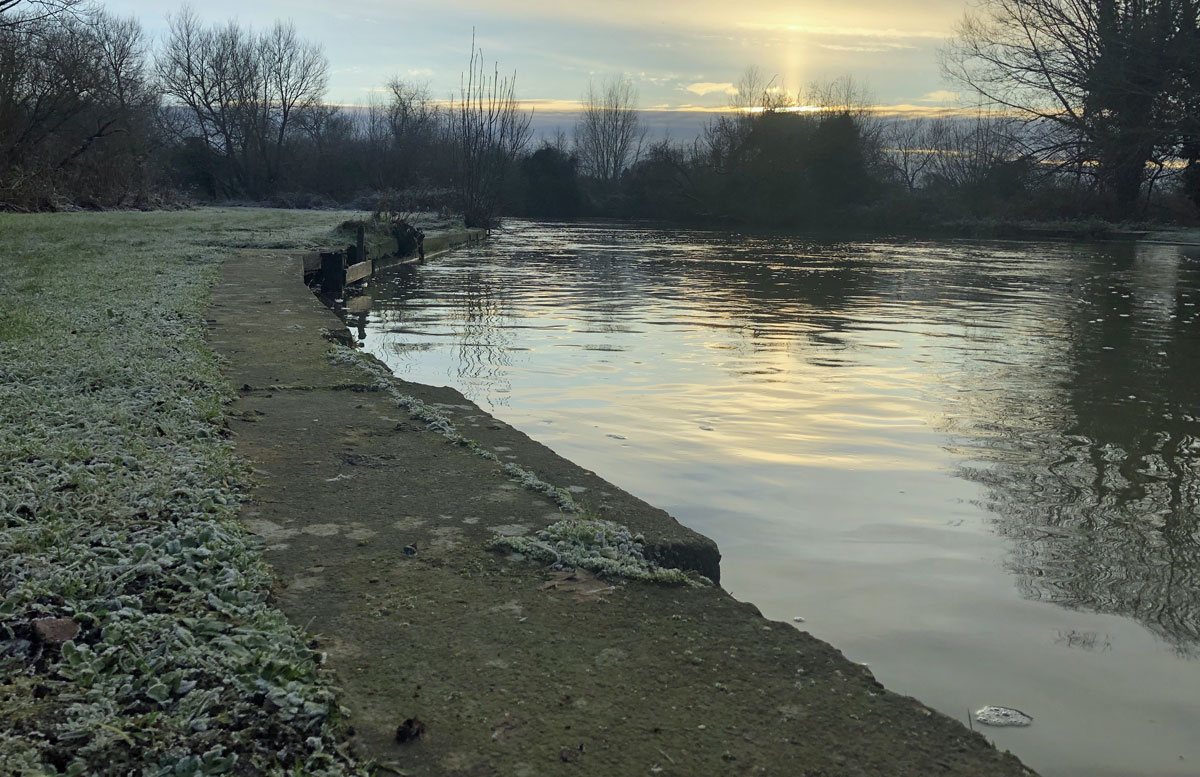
<point x="411" y="109"/>
<point x="76" y="110"/>
<point x="754" y="96"/>
<point x="295" y="77"/>
<point x="755" y="93"/>
<point x="488" y="130"/>
<point x="911" y="148"/>
<point x="14" y="13"/>
<point x="609" y="136"/>
<point x="240" y="92"/>
<point x="1101" y="73"/>
<point x="414" y="123"/>
<point x="971" y="151"/>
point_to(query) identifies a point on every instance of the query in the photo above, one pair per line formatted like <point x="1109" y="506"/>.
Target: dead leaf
<point x="580" y="582"/>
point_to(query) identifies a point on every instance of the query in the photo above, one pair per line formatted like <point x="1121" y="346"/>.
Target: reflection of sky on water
<point x="882" y="436"/>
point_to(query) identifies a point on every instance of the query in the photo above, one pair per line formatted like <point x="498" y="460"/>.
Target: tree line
<point x="1086" y="108"/>
<point x="91" y="116"/>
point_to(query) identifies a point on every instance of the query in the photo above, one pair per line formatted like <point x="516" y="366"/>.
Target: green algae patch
<point x="137" y="634"/>
<point x="603" y="547"/>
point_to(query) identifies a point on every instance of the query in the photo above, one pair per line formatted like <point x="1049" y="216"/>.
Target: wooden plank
<point x="357" y="272"/>
<point x="382" y="248"/>
<point x="333" y="272"/>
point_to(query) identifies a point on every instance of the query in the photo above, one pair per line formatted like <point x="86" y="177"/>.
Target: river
<point x="972" y="466"/>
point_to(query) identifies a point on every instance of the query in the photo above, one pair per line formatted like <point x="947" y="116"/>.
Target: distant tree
<point x="1107" y="75"/>
<point x="14" y="13"/>
<point x="848" y="154"/>
<point x="609" y="135"/>
<point x="240" y="93"/>
<point x="755" y="93"/>
<point x="1184" y="105"/>
<point x="754" y="96"/>
<point x="551" y="183"/>
<point x="76" y="110"/>
<point x="789" y="159"/>
<point x="660" y="184"/>
<point x="488" y="131"/>
<point x="414" y="124"/>
<point x="981" y="166"/>
<point x="911" y="147"/>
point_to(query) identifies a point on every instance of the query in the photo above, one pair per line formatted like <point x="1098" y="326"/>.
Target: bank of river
<point x="379" y="525"/>
<point x="972" y="466"/>
<point x="140" y="630"/>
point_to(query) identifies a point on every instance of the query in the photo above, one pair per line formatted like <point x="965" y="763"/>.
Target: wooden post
<point x="333" y="272"/>
<point x="361" y="252"/>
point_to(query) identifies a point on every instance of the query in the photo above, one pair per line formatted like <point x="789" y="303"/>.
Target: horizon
<point x="683" y="59"/>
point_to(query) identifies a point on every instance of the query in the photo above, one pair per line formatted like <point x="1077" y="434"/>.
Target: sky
<point x="683" y="56"/>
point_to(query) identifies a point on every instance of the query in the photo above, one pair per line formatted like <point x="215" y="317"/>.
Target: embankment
<point x="487" y="663"/>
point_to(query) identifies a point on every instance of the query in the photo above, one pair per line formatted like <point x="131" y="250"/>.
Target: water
<point x="974" y="467"/>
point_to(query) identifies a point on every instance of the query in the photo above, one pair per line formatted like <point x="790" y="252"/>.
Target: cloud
<point x="940" y="96"/>
<point x="908" y="111"/>
<point x="420" y="71"/>
<point x="868" y="48"/>
<point x="552" y="105"/>
<point x="834" y="31"/>
<point x="858" y="18"/>
<point x="708" y="87"/>
<point x="661" y="79"/>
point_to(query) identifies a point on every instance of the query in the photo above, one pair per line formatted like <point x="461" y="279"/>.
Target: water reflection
<point x="1061" y="378"/>
<point x="972" y="465"/>
<point x="1098" y="488"/>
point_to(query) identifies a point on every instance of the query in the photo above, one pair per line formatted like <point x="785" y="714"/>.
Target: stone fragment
<point x="55" y="631"/>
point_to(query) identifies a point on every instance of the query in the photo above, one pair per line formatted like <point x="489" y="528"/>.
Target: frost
<point x="1002" y="716"/>
<point x="599" y="546"/>
<point x="603" y="547"/>
<point x="119" y="493"/>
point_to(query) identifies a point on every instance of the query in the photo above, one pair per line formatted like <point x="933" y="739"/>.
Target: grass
<point x="119" y="495"/>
